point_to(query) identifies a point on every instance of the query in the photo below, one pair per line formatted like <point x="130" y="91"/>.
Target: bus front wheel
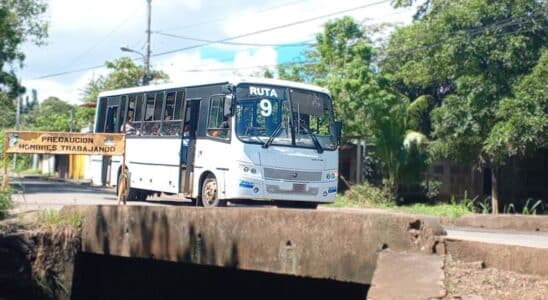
<point x="209" y="195"/>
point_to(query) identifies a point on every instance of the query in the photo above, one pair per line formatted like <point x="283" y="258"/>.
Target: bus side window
<point x="138" y="114"/>
<point x="217" y="124"/>
<point x="128" y="126"/>
<point x="148" y="124"/>
<point x="170" y="126"/>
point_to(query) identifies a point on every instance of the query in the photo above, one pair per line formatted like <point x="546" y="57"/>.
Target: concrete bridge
<point x="336" y="244"/>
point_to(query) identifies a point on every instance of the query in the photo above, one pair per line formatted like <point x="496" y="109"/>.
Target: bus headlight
<point x="331" y="176"/>
<point x="249" y="170"/>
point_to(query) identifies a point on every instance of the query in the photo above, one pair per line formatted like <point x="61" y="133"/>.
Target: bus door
<point x="191" y="111"/>
<point x="112" y="124"/>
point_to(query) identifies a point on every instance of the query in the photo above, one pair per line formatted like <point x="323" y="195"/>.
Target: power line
<point x="229" y="38"/>
<point x="116" y="28"/>
<point x="273" y="28"/>
<point x="303" y="62"/>
<point x="503" y="34"/>
<point x="472" y="30"/>
<point x="300" y="44"/>
<point x="225" y="18"/>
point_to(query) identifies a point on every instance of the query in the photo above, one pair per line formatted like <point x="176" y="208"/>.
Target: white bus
<point x="256" y="139"/>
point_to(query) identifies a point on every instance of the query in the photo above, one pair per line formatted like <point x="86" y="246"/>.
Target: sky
<point x="83" y="35"/>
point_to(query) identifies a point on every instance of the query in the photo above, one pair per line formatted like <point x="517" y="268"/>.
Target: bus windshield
<point x="284" y="116"/>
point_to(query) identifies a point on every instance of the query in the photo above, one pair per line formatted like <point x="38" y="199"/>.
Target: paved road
<point x="33" y="195"/>
<point x="502" y="237"/>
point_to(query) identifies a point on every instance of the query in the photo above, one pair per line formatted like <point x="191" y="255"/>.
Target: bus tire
<point x="137" y="195"/>
<point x="209" y="196"/>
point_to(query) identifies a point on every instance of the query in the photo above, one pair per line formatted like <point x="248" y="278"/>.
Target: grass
<point x="5" y="203"/>
<point x="365" y="195"/>
<point x="368" y="196"/>
<point x="449" y="210"/>
<point x="53" y="219"/>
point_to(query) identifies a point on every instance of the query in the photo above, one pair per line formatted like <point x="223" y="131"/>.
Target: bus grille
<point x="270" y="173"/>
<point x="274" y="189"/>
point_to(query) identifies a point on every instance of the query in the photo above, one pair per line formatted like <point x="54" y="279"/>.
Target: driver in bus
<point x="222" y="131"/>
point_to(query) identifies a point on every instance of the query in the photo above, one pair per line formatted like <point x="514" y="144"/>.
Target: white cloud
<point x="192" y="67"/>
<point x="251" y="22"/>
<point x="104" y="15"/>
<point x="87" y="33"/>
<point x="70" y="92"/>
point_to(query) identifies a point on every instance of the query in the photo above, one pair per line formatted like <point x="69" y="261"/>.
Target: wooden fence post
<point x="5" y="180"/>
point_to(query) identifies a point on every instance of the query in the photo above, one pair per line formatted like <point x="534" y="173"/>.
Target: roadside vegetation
<point x="368" y="196"/>
<point x="5" y="203"/>
<point x="55" y="220"/>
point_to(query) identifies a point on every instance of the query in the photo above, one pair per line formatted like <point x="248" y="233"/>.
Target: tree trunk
<point x="494" y="190"/>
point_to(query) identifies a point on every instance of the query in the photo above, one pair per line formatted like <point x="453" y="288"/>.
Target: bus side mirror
<point x="227" y="111"/>
<point x="338" y="130"/>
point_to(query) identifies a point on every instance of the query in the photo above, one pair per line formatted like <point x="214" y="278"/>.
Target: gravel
<point x="469" y="281"/>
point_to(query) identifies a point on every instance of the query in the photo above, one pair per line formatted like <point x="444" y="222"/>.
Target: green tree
<point x="20" y="21"/>
<point x="467" y="56"/>
<point x="7" y="111"/>
<point x="343" y="61"/>
<point x="123" y="73"/>
<point x="522" y="119"/>
<point x="53" y="114"/>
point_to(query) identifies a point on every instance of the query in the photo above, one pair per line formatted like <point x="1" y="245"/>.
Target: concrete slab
<point x="525" y="260"/>
<point x="507" y="222"/>
<point x="339" y="245"/>
<point x="407" y="276"/>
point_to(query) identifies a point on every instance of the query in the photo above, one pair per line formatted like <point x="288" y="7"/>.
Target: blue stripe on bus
<point x="246" y="184"/>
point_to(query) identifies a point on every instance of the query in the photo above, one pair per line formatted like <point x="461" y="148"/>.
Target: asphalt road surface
<point x="34" y="195"/>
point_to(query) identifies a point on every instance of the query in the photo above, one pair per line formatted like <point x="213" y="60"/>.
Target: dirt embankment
<point x="37" y="264"/>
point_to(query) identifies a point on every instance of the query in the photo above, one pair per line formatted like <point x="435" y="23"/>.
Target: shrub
<point x="5" y="203"/>
<point x="367" y="195"/>
<point x="54" y="219"/>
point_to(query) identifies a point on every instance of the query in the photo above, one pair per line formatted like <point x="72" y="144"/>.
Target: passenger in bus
<point x="154" y="129"/>
<point x="167" y="128"/>
<point x="186" y="142"/>
<point x="127" y="127"/>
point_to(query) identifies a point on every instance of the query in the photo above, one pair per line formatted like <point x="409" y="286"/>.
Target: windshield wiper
<point x="273" y="135"/>
<point x="314" y="138"/>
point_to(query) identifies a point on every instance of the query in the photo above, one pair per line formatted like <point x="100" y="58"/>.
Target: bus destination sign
<point x="65" y="143"/>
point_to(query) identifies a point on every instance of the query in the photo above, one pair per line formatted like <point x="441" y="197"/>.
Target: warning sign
<point x="65" y="143"/>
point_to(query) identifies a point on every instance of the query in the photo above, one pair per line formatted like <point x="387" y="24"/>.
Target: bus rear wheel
<point x="137" y="195"/>
<point x="209" y="195"/>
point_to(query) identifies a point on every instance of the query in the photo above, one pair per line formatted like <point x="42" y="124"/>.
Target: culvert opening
<point x="111" y="277"/>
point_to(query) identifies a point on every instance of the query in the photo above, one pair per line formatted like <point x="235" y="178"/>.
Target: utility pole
<point x="34" y="104"/>
<point x="148" y="77"/>
<point x="17" y="117"/>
